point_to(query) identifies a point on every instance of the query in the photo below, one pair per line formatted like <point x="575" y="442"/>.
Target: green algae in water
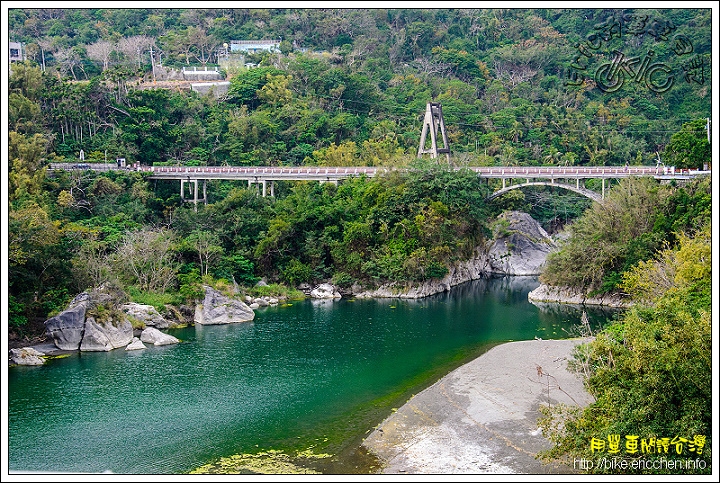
<point x="270" y="462"/>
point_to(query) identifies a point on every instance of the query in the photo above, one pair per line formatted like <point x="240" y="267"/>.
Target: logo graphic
<point x="657" y="73"/>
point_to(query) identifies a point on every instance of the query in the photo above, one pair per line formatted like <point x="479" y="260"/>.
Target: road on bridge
<point x="298" y="173"/>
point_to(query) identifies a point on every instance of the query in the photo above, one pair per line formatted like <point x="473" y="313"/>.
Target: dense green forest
<point x="348" y="87"/>
<point x="517" y="86"/>
<point x="558" y="87"/>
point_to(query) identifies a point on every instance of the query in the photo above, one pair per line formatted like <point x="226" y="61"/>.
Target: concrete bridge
<point x="265" y="176"/>
<point x="532" y="175"/>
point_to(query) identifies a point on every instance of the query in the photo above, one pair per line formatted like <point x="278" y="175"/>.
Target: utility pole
<point x="707" y="128"/>
<point x="152" y="61"/>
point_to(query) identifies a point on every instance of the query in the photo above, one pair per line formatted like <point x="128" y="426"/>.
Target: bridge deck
<point x="268" y="173"/>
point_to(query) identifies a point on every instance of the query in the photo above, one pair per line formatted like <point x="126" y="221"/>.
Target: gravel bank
<point x="481" y="418"/>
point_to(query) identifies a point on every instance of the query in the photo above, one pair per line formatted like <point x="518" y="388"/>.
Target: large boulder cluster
<point x="103" y="320"/>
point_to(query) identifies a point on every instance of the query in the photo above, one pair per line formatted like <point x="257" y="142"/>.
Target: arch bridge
<point x="265" y="176"/>
<point x="577" y="189"/>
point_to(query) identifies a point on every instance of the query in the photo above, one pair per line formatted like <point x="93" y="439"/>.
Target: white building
<point x="17" y="53"/>
<point x="254" y="46"/>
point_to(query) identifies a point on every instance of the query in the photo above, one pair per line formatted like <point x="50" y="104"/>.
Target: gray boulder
<point x="67" y="328"/>
<point x="26" y="356"/>
<point x="106" y="336"/>
<point x="218" y="309"/>
<point x="136" y="344"/>
<point x="260" y="301"/>
<point x="147" y="314"/>
<point x="153" y="336"/>
<point x="325" y="291"/>
<point x="521" y="248"/>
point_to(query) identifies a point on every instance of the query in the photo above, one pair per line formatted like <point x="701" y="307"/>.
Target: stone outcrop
<point x="216" y="309"/>
<point x="461" y="272"/>
<point x="106" y="335"/>
<point x="521" y="248"/>
<point x="257" y="302"/>
<point x="147" y="315"/>
<point x="26" y="356"/>
<point x="98" y="320"/>
<point x="153" y="336"/>
<point x="325" y="291"/>
<point x="569" y="295"/>
<point x="67" y="328"/>
<point x="135" y="345"/>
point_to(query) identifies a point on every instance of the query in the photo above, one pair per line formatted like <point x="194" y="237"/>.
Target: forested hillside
<point x="348" y="87"/>
<point x="517" y="86"/>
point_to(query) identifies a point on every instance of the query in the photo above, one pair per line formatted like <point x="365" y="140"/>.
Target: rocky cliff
<point x="520" y="247"/>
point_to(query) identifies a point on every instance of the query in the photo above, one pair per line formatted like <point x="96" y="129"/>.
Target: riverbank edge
<point x="481" y="418"/>
<point x="570" y="295"/>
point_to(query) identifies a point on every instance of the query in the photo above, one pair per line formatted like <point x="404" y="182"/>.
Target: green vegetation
<point x="638" y="218"/>
<point x="349" y="87"/>
<point x="353" y="84"/>
<point x="650" y="372"/>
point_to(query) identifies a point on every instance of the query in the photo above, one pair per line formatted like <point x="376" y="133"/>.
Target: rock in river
<point x="219" y="309"/>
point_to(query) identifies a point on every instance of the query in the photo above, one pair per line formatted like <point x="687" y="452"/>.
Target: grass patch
<point x="276" y="290"/>
<point x="157" y="300"/>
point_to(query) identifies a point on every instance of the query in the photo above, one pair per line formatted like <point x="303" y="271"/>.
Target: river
<point x="313" y="376"/>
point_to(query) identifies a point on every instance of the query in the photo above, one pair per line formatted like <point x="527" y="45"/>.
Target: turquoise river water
<point x="313" y="375"/>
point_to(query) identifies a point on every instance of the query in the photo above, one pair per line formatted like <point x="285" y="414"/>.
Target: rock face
<point x="325" y="291"/>
<point x="67" y="328"/>
<point x="26" y="356"/>
<point x="106" y="336"/>
<point x="569" y="295"/>
<point x="153" y="336"/>
<point x="460" y="272"/>
<point x="219" y="309"/>
<point x="147" y="314"/>
<point x="92" y="322"/>
<point x="522" y="247"/>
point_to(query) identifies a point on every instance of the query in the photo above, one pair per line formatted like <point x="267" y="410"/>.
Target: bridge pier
<point x="264" y="186"/>
<point x="194" y="188"/>
<point x="603" y="188"/>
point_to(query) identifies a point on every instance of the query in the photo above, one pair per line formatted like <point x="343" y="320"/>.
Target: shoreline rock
<point x="27" y="356"/>
<point x="217" y="309"/>
<point x="569" y="295"/>
<point x="153" y="336"/>
<point x="520" y="248"/>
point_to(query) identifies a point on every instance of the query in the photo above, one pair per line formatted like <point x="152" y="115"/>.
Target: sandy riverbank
<point x="481" y="418"/>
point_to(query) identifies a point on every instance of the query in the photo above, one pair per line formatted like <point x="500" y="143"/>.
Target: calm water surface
<point x="315" y="375"/>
